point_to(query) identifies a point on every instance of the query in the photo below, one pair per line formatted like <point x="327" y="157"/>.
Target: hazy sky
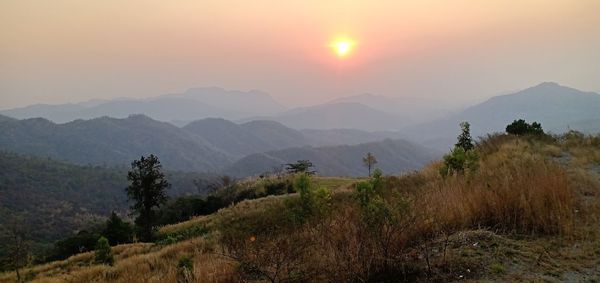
<point x="56" y="51"/>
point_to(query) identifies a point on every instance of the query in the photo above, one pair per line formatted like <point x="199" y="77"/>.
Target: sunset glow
<point x="342" y="47"/>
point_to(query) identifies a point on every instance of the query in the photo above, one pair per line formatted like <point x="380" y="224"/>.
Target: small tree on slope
<point x="148" y="191"/>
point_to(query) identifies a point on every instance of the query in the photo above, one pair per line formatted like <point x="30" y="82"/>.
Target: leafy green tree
<point x="369" y="161"/>
<point x="521" y="127"/>
<point x="301" y="166"/>
<point x="464" y="139"/>
<point x="83" y="241"/>
<point x="148" y="191"/>
<point x="517" y="127"/>
<point x="117" y="231"/>
<point x="103" y="252"/>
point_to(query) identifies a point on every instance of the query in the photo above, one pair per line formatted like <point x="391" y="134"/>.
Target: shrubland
<point x="527" y="211"/>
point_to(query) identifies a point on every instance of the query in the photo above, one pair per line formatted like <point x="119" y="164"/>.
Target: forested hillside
<point x="208" y="145"/>
<point x="55" y="199"/>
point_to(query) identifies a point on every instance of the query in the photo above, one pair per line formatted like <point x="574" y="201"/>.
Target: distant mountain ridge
<point x="207" y="145"/>
<point x="409" y="109"/>
<point x="343" y="115"/>
<point x="394" y="156"/>
<point x="111" y="141"/>
<point x="193" y="104"/>
<point x="557" y="108"/>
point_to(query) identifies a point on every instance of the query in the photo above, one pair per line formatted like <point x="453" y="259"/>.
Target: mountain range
<point x="339" y="116"/>
<point x="212" y="144"/>
<point x="193" y="104"/>
<point x="557" y="108"/>
<point x="208" y="145"/>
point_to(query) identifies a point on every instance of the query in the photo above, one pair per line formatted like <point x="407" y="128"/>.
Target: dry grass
<point x="513" y="190"/>
<point x="139" y="263"/>
<point x="517" y="190"/>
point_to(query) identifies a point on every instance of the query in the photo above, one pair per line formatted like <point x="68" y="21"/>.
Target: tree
<point x="15" y="235"/>
<point x="103" y="252"/>
<point x="464" y="139"/>
<point x="520" y="128"/>
<point x="369" y="161"/>
<point x="148" y="191"/>
<point x="301" y="166"/>
<point x="117" y="231"/>
<point x="463" y="156"/>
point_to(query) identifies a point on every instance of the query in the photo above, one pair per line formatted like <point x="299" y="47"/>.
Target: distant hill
<point x="112" y="141"/>
<point x="6" y="118"/>
<point x="206" y="145"/>
<point x="339" y="116"/>
<point x="394" y="156"/>
<point x="56" y="198"/>
<point x="243" y="139"/>
<point x="330" y="137"/>
<point x="409" y="109"/>
<point x="196" y="103"/>
<point x="557" y="108"/>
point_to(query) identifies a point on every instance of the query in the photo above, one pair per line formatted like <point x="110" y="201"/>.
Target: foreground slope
<point x="528" y="213"/>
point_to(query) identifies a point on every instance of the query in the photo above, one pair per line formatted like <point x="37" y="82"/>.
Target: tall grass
<point x="514" y="190"/>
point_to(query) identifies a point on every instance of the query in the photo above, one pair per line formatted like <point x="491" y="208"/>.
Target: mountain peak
<point x="548" y="84"/>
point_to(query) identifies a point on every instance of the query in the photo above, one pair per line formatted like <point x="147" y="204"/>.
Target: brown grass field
<point x="529" y="212"/>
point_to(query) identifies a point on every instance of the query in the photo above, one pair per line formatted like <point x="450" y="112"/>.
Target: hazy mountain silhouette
<point x="394" y="156"/>
<point x="347" y="136"/>
<point x="408" y="108"/>
<point x="112" y="141"/>
<point x="247" y="138"/>
<point x="203" y="145"/>
<point x="339" y="116"/>
<point x="6" y="118"/>
<point x="557" y="108"/>
<point x="196" y="103"/>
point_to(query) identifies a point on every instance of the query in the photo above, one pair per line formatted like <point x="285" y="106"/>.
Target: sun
<point x="342" y="47"/>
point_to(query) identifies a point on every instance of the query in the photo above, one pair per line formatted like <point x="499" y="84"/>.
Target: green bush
<point x="521" y="128"/>
<point x="104" y="252"/>
<point x="458" y="161"/>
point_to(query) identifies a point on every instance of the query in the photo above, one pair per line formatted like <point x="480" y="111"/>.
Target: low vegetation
<point x="524" y="207"/>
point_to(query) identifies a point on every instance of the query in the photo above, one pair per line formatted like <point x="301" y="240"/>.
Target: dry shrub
<point x="266" y="240"/>
<point x="492" y="143"/>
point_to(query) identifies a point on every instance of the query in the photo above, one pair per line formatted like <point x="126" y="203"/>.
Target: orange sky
<point x="460" y="51"/>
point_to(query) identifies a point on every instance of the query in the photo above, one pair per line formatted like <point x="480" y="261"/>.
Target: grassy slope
<point x="492" y="254"/>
